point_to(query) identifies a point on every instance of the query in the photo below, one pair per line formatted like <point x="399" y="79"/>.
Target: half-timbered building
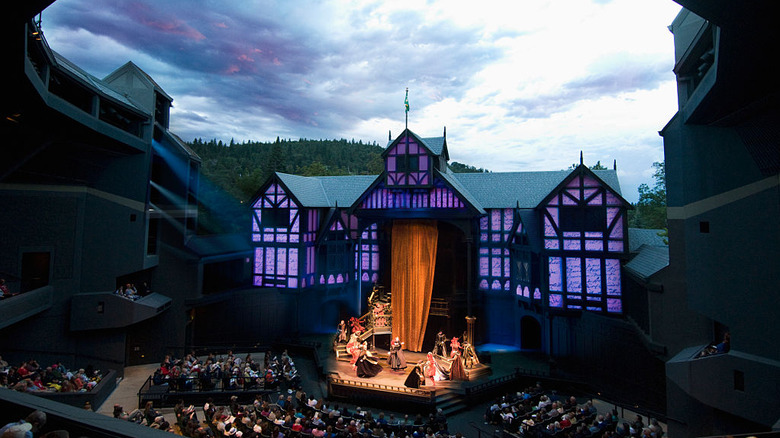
<point x="546" y="241"/>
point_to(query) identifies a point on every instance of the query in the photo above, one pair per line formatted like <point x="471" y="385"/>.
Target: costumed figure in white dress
<point x="353" y="348"/>
<point x="435" y="371"/>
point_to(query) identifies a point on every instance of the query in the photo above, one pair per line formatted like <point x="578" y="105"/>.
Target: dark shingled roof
<point x="482" y="190"/>
<point x="326" y="191"/>
<point x="526" y="189"/>
<point x="96" y="83"/>
<point x="648" y="261"/>
<point x="455" y="183"/>
<point x="434" y="144"/>
<point x="641" y="236"/>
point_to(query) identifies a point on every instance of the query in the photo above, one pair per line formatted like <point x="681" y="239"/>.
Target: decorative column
<point x="470" y="329"/>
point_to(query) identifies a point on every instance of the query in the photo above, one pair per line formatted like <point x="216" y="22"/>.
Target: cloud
<point x="520" y="85"/>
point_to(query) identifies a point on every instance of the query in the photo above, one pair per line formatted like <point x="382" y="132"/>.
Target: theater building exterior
<point x="509" y="246"/>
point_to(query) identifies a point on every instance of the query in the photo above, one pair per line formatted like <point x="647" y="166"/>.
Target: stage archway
<point x="530" y="333"/>
<point x="443" y="273"/>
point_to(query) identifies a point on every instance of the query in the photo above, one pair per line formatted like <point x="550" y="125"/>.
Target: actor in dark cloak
<point x="416" y="378"/>
<point x="367" y="365"/>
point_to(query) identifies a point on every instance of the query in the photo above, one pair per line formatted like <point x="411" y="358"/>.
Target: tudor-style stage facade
<point x="513" y="249"/>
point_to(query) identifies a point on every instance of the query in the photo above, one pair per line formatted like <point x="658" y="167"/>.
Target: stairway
<point x="449" y="400"/>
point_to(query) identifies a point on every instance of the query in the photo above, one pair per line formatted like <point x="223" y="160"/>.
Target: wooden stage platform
<point x="387" y="388"/>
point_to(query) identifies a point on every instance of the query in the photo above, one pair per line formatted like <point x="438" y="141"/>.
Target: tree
<point x="650" y="210"/>
<point x="597" y="166"/>
<point x="465" y="168"/>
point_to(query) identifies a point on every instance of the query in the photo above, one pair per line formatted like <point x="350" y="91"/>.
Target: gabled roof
<point x="181" y="144"/>
<point x="641" y="236"/>
<point x="649" y="261"/>
<point x="481" y="190"/>
<point x="326" y="191"/>
<point x="458" y="187"/>
<point x="96" y="84"/>
<point x="608" y="177"/>
<point x="130" y="66"/>
<point x="435" y="145"/>
<point x="521" y="189"/>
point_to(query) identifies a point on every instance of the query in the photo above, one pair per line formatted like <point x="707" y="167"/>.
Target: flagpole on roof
<point x="406" y="108"/>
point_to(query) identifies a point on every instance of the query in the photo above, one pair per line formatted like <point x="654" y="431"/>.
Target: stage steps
<point x="449" y="401"/>
<point x="342" y="355"/>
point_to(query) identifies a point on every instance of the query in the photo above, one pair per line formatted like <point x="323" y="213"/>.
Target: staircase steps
<point x="450" y="402"/>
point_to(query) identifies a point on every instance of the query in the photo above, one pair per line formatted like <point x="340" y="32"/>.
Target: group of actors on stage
<point x="436" y="367"/>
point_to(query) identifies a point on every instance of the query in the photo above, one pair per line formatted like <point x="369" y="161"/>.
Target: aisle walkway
<point x="126" y="392"/>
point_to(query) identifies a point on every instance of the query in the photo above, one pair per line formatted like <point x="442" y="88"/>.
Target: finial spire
<point x="389" y="135"/>
<point x="614" y="164"/>
<point x="581" y="161"/>
<point x="445" y="132"/>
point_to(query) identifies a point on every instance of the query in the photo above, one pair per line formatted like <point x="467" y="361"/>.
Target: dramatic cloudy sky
<point x="520" y="85"/>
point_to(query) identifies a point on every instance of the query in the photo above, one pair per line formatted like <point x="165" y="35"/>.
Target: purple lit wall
<point x="367" y="255"/>
<point x="276" y="232"/>
<point x="408" y="164"/>
<point x="438" y="196"/>
<point x="584" y="229"/>
<point x="494" y="258"/>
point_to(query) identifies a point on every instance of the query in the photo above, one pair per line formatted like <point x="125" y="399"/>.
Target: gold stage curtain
<point x="413" y="264"/>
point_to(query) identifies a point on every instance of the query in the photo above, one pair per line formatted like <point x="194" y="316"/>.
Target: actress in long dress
<point x="367" y="365"/>
<point x="457" y="370"/>
<point x="436" y="371"/>
<point x="396" y="359"/>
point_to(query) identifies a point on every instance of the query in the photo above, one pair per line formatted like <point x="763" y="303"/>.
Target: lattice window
<point x="494" y="258"/>
<point x="367" y="259"/>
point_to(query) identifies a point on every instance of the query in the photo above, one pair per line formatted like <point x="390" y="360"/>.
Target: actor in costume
<point x="455" y="347"/>
<point x="342" y="332"/>
<point x="416" y="378"/>
<point x="457" y="370"/>
<point x="396" y="359"/>
<point x="367" y="365"/>
<point x="353" y="348"/>
<point x="434" y="370"/>
<point x="441" y="344"/>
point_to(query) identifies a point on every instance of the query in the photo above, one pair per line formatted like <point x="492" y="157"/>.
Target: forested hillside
<point x="231" y="173"/>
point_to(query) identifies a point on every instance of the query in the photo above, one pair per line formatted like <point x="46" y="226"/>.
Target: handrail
<point x="480" y="430"/>
<point x="381" y="387"/>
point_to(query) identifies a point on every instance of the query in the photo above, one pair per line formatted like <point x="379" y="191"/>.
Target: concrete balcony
<point x="736" y="382"/>
<point x="23" y="306"/>
<point x="105" y="310"/>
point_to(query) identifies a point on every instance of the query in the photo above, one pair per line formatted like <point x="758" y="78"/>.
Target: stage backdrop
<point x="413" y="265"/>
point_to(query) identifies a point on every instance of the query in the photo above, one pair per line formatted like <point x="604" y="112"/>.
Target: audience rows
<point x="29" y="376"/>
<point x="535" y="413"/>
